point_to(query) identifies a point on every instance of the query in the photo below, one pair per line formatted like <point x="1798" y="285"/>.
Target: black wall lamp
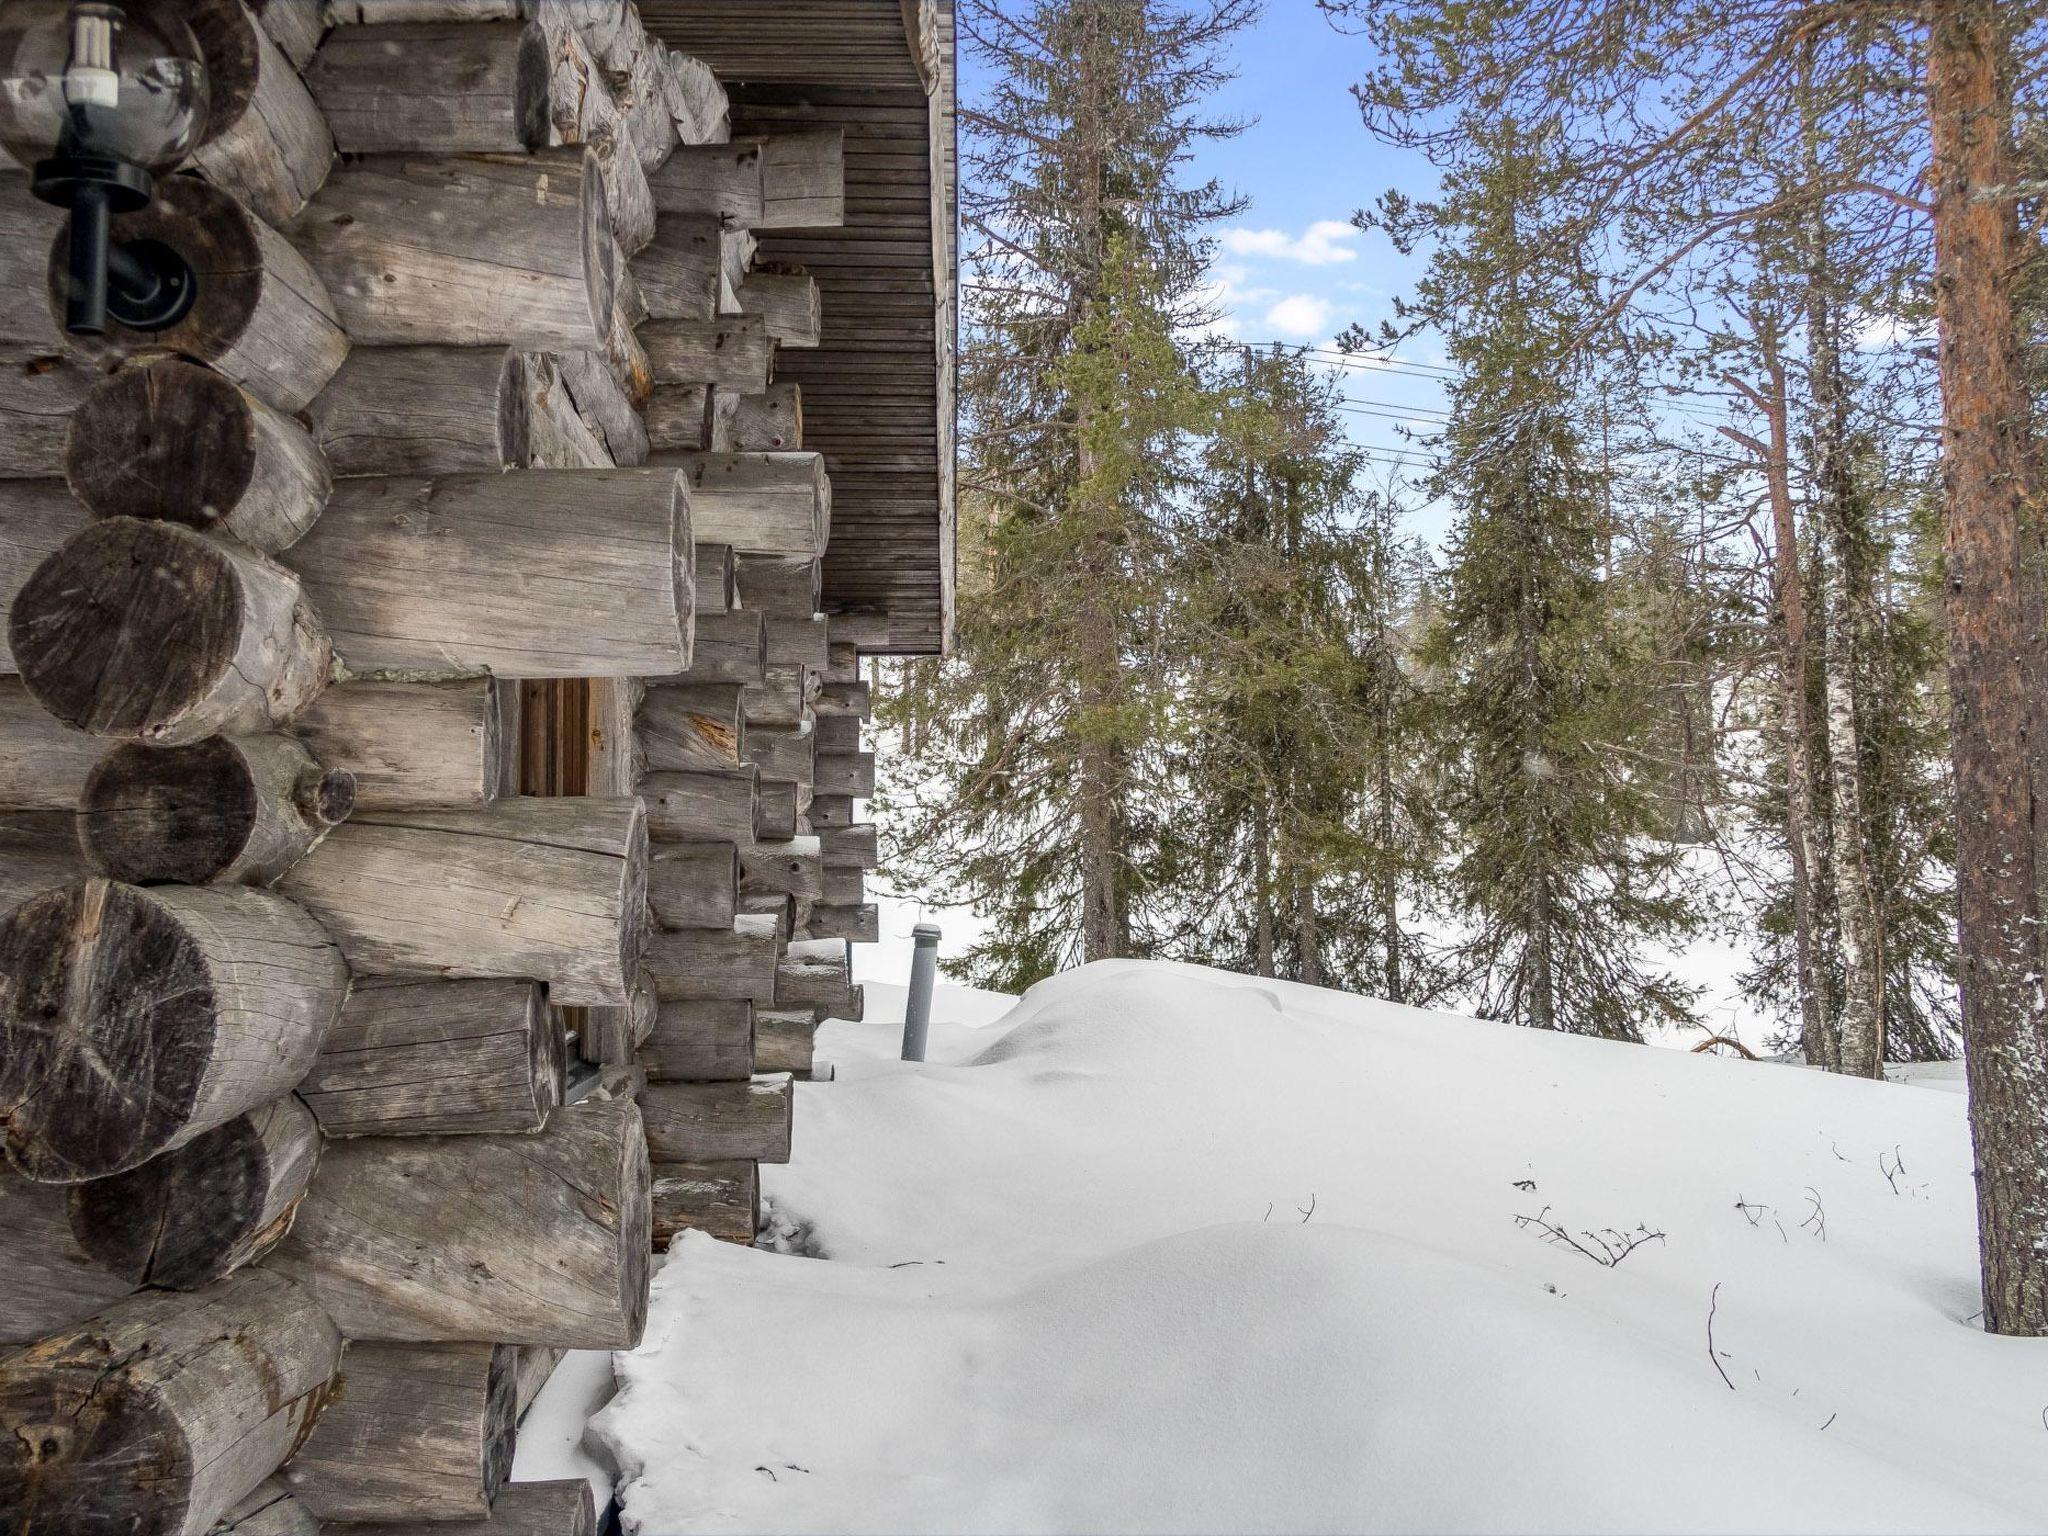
<point x="98" y="98"/>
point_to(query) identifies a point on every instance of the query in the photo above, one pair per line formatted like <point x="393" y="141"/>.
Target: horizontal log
<point x="858" y="922"/>
<point x="563" y="1508"/>
<point x="48" y="1279"/>
<point x="679" y="416"/>
<point x="785" y="1039"/>
<point x="138" y="1019"/>
<point x="467" y="251"/>
<point x="691" y="727"/>
<point x="39" y="516"/>
<point x="482" y="573"/>
<point x="427" y="1058"/>
<point x="721" y="181"/>
<point x="777" y="807"/>
<point x="44" y="763"/>
<point x="719" y="1122"/>
<point x="150" y="631"/>
<point x="38" y="850"/>
<point x="552" y="888"/>
<point x="681" y="271"/>
<point x="294" y="25"/>
<point x="722" y="1200"/>
<point x="236" y="809"/>
<point x="702" y="1040"/>
<point x="852" y="774"/>
<point x="729" y="648"/>
<point x="842" y="888"/>
<point x="717" y="583"/>
<point x="814" y="973"/>
<point x="539" y="1239"/>
<point x="696" y="807"/>
<point x="769" y="421"/>
<point x="843" y="698"/>
<point x="788" y="588"/>
<point x="201" y="1211"/>
<point x="266" y="140"/>
<point x="842" y="657"/>
<point x="693" y="885"/>
<point x="782" y="751"/>
<point x="830" y="811"/>
<point x="414" y="1432"/>
<point x="175" y="441"/>
<point x="537" y="1363"/>
<point x="854" y="847"/>
<point x="779" y="905"/>
<point x="787" y="303"/>
<point x="28" y="226"/>
<point x="165" y="1411"/>
<point x="792" y="868"/>
<point x="785" y="696"/>
<point x="410" y="744"/>
<point x="261" y="315"/>
<point x="40" y="387"/>
<point x="425" y="411"/>
<point x="737" y="964"/>
<point x="759" y="503"/>
<point x="443" y="88"/>
<point x="803" y="180"/>
<point x="734" y="351"/>
<point x="270" y="1510"/>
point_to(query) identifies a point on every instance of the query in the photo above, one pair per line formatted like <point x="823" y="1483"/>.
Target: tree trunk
<point x="138" y="1019"/>
<point x="429" y="1058"/>
<point x="1996" y="713"/>
<point x="539" y="1239"/>
<point x="161" y="1414"/>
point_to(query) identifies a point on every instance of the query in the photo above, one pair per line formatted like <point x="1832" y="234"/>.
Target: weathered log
<point x="694" y="807"/>
<point x="270" y="1510"/>
<point x="838" y="733"/>
<point x="717" y="579"/>
<point x="842" y="887"/>
<point x="859" y="922"/>
<point x="843" y="698"/>
<point x="719" y="433"/>
<point x="201" y="1211"/>
<point x="425" y="411"/>
<point x="697" y="101"/>
<point x="345" y="13"/>
<point x="43" y="762"/>
<point x="691" y="727"/>
<point x="48" y="1280"/>
<point x="853" y="774"/>
<point x="702" y="1040"/>
<point x="720" y="1199"/>
<point x="183" y="443"/>
<point x="552" y="888"/>
<point x="777" y="807"/>
<point x="136" y="1019"/>
<point x="27" y="227"/>
<point x="830" y="811"/>
<point x="814" y="973"/>
<point x="720" y="181"/>
<point x="785" y="1039"/>
<point x="759" y="503"/>
<point x="842" y="654"/>
<point x="414" y="1432"/>
<point x="39" y="516"/>
<point x="737" y="963"/>
<point x="787" y="303"/>
<point x="587" y="111"/>
<point x="537" y="1363"/>
<point x="428" y="1058"/>
<point x="238" y="809"/>
<point x="440" y="88"/>
<point x="734" y="350"/>
<point x="693" y="885"/>
<point x="149" y="630"/>
<point x="266" y="140"/>
<point x="719" y="1122"/>
<point x="784" y="696"/>
<point x="803" y="180"/>
<point x="261" y="314"/>
<point x="679" y="417"/>
<point x="795" y="640"/>
<point x="781" y="751"/>
<point x="787" y="587"/>
<point x="40" y="388"/>
<point x="779" y="905"/>
<point x="38" y="850"/>
<point x="736" y="248"/>
<point x="680" y="271"/>
<point x="611" y="1036"/>
<point x="471" y="251"/>
<point x="483" y="573"/>
<point x="538" y="1239"/>
<point x="792" y="868"/>
<point x="609" y="408"/>
<point x="635" y="65"/>
<point x="558" y="435"/>
<point x="729" y="648"/>
<point x="523" y="1509"/>
<point x="850" y="847"/>
<point x="296" y="26"/>
<point x="410" y="744"/>
<point x="771" y="421"/>
<point x="165" y="1411"/>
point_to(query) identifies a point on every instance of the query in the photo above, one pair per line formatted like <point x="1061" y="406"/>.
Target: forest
<point x="1738" y="627"/>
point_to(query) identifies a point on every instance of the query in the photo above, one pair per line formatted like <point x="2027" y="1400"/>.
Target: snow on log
<point x="539" y="1239"/>
<point x="428" y="1058"/>
<point x="701" y="1040"/>
<point x="720" y="1199"/>
<point x="552" y="888"/>
<point x="138" y="1019"/>
<point x="784" y="1039"/>
<point x="719" y="1122"/>
<point x="814" y="973"/>
<point x="734" y="964"/>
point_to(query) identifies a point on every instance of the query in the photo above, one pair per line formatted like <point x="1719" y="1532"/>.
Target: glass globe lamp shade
<point x="114" y="80"/>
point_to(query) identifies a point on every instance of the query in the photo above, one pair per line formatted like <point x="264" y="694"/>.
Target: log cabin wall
<point x="431" y="725"/>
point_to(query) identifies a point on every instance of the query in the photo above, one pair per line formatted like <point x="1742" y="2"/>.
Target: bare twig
<point x="1713" y="1304"/>
<point x="1606" y="1247"/>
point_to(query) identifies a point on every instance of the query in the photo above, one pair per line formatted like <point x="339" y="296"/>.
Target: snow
<point x="1169" y="1249"/>
<point x="551" y="1442"/>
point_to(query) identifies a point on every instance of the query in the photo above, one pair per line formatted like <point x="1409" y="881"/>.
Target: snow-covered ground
<point x="1164" y="1249"/>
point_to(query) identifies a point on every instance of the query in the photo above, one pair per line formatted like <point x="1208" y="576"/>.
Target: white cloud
<point x="1299" y="314"/>
<point x="1323" y="242"/>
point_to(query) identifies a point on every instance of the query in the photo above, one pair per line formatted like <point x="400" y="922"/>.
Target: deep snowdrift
<point x="1166" y="1249"/>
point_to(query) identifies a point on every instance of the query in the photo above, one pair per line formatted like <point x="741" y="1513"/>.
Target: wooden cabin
<point x="430" y="724"/>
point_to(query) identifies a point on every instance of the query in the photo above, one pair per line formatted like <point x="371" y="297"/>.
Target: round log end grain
<point x="137" y="1019"/>
<point x="148" y="630"/>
